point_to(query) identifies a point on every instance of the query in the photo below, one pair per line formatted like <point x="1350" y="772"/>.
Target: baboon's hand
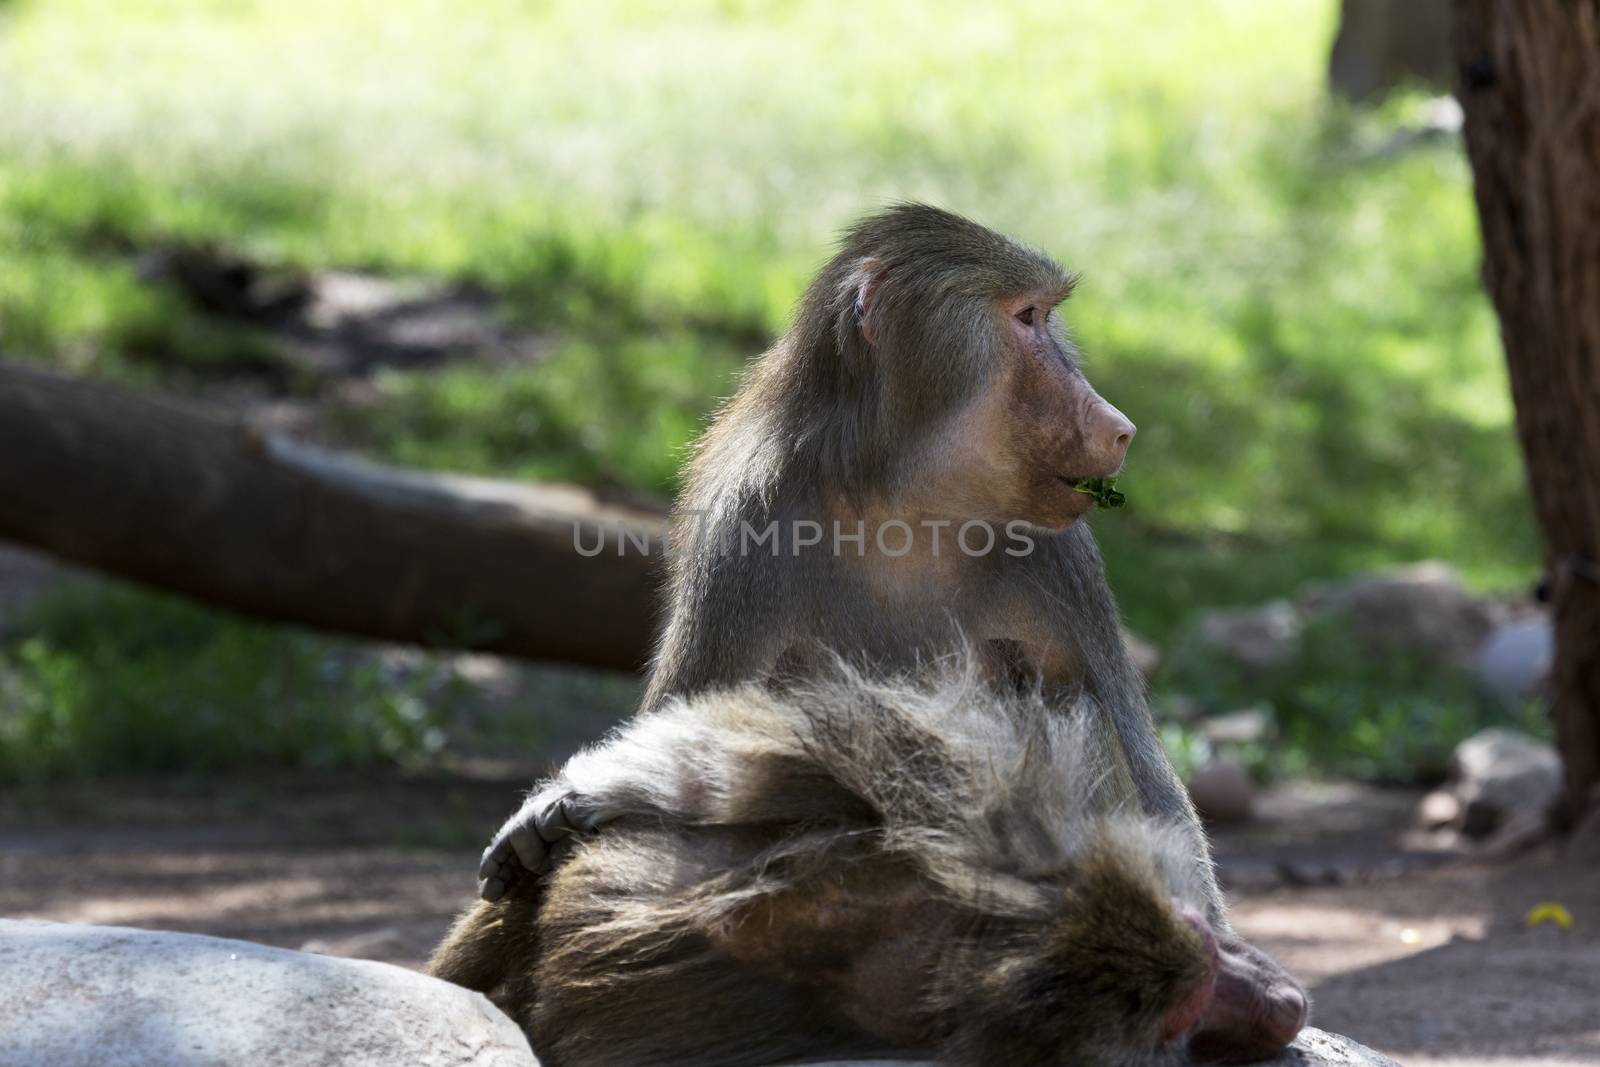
<point x="522" y="848"/>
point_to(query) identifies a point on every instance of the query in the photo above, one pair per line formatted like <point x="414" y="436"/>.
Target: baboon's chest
<point x="1014" y="642"/>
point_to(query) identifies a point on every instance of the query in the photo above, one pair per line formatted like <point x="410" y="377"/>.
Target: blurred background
<point x="538" y="241"/>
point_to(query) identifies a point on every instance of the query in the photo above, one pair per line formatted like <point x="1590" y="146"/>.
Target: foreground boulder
<point x="1313" y="1048"/>
<point x="106" y="996"/>
<point x="98" y="996"/>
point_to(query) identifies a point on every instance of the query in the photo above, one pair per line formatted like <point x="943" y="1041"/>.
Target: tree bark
<point x="209" y="506"/>
<point x="1530" y="88"/>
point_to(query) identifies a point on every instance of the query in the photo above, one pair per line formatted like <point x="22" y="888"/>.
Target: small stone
<point x="1254" y="638"/>
<point x="1438" y="810"/>
<point x="1514" y="661"/>
<point x="1499" y="771"/>
<point x="1223" y="792"/>
<point x="1244" y="727"/>
<point x="1520" y="830"/>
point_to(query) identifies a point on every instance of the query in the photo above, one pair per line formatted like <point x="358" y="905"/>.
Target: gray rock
<point x="1519" y="830"/>
<point x="1438" y="810"/>
<point x="1514" y="661"/>
<point x="1244" y="727"/>
<point x="1318" y="1048"/>
<point x="98" y="996"/>
<point x="104" y="996"/>
<point x="1496" y="772"/>
<point x="1254" y="638"/>
<point x="1313" y="1048"/>
<point x="1422" y="609"/>
<point x="1222" y="792"/>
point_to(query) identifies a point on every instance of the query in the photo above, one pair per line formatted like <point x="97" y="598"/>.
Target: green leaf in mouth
<point x="1104" y="491"/>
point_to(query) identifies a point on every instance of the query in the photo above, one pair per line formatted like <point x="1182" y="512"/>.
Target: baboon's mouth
<point x="1102" y="489"/>
<point x="1072" y="499"/>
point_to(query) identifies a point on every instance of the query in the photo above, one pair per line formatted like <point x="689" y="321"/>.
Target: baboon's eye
<point x="1026" y="315"/>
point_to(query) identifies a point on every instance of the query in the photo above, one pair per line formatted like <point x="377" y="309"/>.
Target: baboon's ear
<point x="864" y="280"/>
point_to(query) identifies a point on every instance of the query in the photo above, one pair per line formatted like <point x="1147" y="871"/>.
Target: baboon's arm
<point x="654" y="764"/>
<point x="1161" y="793"/>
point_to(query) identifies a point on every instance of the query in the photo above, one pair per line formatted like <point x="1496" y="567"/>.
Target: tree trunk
<point x="1530" y="87"/>
<point x="208" y="506"/>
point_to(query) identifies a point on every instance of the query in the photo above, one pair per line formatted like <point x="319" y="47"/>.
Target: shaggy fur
<point x="856" y="867"/>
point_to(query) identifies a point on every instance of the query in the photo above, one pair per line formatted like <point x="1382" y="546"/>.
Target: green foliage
<point x="1104" y="491"/>
<point x="1290" y="312"/>
<point x="557" y="419"/>
<point x="1339" y="706"/>
<point x="109" y="679"/>
<point x="1291" y="315"/>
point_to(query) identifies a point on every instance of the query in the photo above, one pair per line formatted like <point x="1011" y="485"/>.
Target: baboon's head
<point x="1120" y="968"/>
<point x="956" y="355"/>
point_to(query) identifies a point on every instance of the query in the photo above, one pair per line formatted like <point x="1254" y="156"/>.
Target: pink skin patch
<point x="1185" y="1014"/>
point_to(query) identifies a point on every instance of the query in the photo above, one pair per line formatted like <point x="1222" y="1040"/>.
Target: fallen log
<point x="211" y="506"/>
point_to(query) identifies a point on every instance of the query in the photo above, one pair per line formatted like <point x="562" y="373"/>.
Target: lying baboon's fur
<point x="857" y="867"/>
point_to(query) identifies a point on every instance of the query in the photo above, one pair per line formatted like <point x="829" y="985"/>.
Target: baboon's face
<point x="1059" y="429"/>
<point x="1015" y="450"/>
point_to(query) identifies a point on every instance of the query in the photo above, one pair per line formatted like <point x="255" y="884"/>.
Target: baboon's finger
<point x="554" y="821"/>
<point x="493" y="856"/>
<point x="528" y="847"/>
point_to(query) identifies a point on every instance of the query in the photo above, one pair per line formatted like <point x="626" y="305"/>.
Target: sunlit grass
<point x="557" y="420"/>
<point x="1293" y="318"/>
<point x="1297" y="326"/>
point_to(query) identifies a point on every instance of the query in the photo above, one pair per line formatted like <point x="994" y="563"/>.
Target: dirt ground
<point x="1421" y="954"/>
<point x="1406" y="946"/>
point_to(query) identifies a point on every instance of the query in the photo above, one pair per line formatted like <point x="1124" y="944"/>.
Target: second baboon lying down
<point x="862" y="868"/>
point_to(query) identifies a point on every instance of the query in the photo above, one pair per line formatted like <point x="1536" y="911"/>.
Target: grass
<point x="1293" y="318"/>
<point x="112" y="679"/>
